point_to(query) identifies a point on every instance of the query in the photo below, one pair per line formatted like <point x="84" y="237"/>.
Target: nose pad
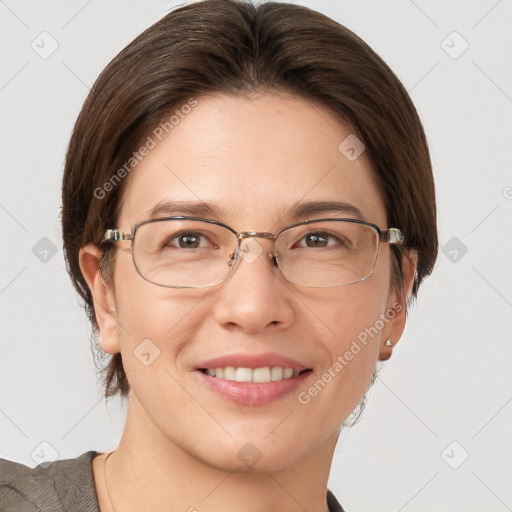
<point x="232" y="258"/>
<point x="249" y="252"/>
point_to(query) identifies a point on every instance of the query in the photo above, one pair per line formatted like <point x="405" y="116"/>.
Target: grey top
<point x="64" y="486"/>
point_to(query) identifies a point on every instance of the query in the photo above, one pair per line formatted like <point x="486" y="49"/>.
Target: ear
<point x="103" y="298"/>
<point x="396" y="307"/>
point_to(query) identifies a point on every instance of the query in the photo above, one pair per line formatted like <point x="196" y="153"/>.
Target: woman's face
<point x="254" y="159"/>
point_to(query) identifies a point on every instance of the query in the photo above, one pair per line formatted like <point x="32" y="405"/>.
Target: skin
<point x="180" y="442"/>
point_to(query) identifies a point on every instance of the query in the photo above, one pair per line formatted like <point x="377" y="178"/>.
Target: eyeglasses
<point x="190" y="252"/>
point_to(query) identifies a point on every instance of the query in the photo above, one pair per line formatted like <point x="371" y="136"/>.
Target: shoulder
<point x="333" y="503"/>
<point x="62" y="486"/>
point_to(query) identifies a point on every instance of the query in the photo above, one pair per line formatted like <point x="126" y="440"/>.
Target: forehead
<point x="255" y="159"/>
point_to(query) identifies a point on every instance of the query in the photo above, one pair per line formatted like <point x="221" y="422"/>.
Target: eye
<point x="186" y="240"/>
<point x="321" y="239"/>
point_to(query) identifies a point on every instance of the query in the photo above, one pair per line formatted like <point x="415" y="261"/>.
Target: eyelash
<point x="324" y="234"/>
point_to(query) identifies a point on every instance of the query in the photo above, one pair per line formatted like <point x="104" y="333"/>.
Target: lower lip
<point x="253" y="393"/>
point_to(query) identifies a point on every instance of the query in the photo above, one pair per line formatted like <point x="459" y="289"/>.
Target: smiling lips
<point x="267" y="367"/>
<point x="253" y="380"/>
<point x="254" y="361"/>
<point x="242" y="374"/>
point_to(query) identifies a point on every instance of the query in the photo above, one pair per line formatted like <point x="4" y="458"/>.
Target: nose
<point x="255" y="296"/>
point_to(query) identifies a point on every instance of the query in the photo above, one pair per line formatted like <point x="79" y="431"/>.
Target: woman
<point x="248" y="210"/>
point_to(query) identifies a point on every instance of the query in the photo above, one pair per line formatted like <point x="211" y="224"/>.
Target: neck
<point x="151" y="472"/>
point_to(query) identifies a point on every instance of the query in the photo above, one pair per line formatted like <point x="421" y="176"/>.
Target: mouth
<point x="261" y="375"/>
<point x="253" y="386"/>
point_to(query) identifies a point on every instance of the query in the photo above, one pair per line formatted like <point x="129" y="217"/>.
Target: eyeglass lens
<point x="191" y="253"/>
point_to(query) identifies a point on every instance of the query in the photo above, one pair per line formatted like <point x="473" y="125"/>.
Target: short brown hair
<point x="235" y="47"/>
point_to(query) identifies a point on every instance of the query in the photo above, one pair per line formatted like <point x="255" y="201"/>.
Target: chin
<point x="258" y="462"/>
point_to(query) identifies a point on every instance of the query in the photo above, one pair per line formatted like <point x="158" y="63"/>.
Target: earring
<point x="388" y="343"/>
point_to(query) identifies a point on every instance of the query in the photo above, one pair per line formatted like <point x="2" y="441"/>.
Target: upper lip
<point x="241" y="360"/>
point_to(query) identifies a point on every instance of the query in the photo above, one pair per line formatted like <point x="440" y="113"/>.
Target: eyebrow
<point x="316" y="207"/>
<point x="204" y="209"/>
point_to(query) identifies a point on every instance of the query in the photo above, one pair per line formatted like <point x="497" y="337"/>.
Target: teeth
<point x="265" y="374"/>
<point x="276" y="373"/>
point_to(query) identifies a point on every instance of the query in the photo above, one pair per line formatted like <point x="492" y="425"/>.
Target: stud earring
<point x="388" y="343"/>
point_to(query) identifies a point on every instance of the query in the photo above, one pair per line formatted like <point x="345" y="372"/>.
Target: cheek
<point x="351" y="311"/>
<point x="148" y="312"/>
<point x="157" y="325"/>
<point x="149" y="316"/>
<point x="142" y="307"/>
<point x="351" y="319"/>
<point x="155" y="329"/>
<point x="356" y="327"/>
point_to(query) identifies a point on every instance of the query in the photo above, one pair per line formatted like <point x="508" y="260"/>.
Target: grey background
<point x="449" y="380"/>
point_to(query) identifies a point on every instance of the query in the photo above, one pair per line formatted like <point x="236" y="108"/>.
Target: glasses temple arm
<point x="392" y="235"/>
<point x="116" y="235"/>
